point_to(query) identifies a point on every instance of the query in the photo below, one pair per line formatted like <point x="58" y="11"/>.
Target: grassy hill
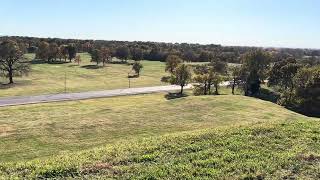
<point x="39" y="130"/>
<point x="50" y="78"/>
<point x="147" y="136"/>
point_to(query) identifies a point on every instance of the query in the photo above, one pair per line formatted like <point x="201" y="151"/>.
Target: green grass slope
<point x="290" y="149"/>
<point x="223" y="137"/>
<point x="34" y="131"/>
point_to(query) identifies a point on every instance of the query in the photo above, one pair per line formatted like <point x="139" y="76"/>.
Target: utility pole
<point x="129" y="80"/>
<point x="65" y="82"/>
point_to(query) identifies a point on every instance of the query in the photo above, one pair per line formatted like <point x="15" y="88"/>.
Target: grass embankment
<point x="205" y="137"/>
<point x="290" y="149"/>
<point x="39" y="130"/>
<point x="47" y="78"/>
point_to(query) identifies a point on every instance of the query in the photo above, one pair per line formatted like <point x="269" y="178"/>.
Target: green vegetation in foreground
<point x="47" y="78"/>
<point x="279" y="149"/>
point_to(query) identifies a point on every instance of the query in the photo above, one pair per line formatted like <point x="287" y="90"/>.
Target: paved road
<point x="12" y="101"/>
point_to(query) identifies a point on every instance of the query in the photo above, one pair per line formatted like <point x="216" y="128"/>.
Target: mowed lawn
<point x="50" y="78"/>
<point x="36" y="131"/>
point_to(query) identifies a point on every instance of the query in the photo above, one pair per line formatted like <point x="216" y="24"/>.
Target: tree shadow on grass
<point x="6" y="86"/>
<point x="19" y="83"/>
<point x="268" y="95"/>
<point x="118" y="62"/>
<point x="92" y="67"/>
<point x="133" y="76"/>
<point x="73" y="65"/>
<point x="40" y="61"/>
<point x="171" y="96"/>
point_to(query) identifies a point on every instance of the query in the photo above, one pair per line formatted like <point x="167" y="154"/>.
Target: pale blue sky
<point x="277" y="23"/>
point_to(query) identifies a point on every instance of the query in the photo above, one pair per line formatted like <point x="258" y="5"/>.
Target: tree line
<point x="156" y="51"/>
<point x="51" y="51"/>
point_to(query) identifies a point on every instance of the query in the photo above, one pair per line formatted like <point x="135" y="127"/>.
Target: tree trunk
<point x="233" y="85"/>
<point x="10" y="74"/>
<point x="205" y="89"/>
<point x="181" y="90"/>
<point x="246" y="89"/>
<point x="209" y="88"/>
<point x="216" y="86"/>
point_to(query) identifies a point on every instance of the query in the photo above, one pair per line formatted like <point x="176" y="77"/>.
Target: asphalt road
<point x="12" y="101"/>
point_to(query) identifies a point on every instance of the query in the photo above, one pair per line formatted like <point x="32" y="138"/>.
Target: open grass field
<point x="193" y="137"/>
<point x="50" y="78"/>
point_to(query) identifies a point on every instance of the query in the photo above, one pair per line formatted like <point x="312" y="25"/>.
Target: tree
<point x="11" y="60"/>
<point x="216" y="80"/>
<point x="156" y="54"/>
<point x="105" y="55"/>
<point x="78" y="59"/>
<point x="189" y="55"/>
<point x="307" y="90"/>
<point x="43" y="51"/>
<point x="72" y="51"/>
<point x="123" y="53"/>
<point x="137" y="54"/>
<point x="201" y="79"/>
<point x="218" y="65"/>
<point x="64" y="52"/>
<point x="102" y="55"/>
<point x="181" y="76"/>
<point x="218" y="70"/>
<point x="282" y="75"/>
<point x="205" y="78"/>
<point x="205" y="56"/>
<point x="53" y="51"/>
<point x="23" y="48"/>
<point x="137" y="66"/>
<point x="172" y="63"/>
<point x="95" y="56"/>
<point x="236" y="77"/>
<point x="255" y="65"/>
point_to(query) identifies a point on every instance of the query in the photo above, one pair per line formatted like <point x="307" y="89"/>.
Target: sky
<point x="268" y="23"/>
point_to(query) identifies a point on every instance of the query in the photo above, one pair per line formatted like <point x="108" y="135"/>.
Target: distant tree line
<point x="155" y="51"/>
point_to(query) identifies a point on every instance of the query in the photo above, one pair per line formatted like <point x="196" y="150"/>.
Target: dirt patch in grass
<point x="96" y="168"/>
<point x="308" y="157"/>
<point x="6" y="130"/>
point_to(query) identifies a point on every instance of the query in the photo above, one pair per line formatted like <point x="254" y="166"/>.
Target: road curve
<point x="21" y="100"/>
